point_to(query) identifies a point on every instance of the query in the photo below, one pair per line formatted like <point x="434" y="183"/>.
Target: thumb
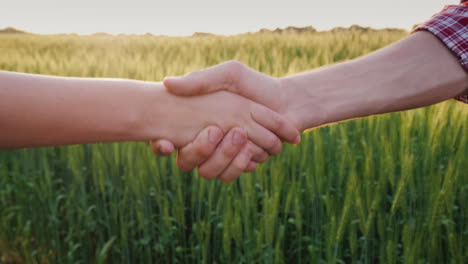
<point x="162" y="147"/>
<point x="231" y="76"/>
<point x="224" y="76"/>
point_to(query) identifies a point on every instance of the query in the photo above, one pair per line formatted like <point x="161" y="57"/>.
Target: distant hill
<point x="102" y="34"/>
<point x="12" y="30"/>
<point x="290" y="29"/>
<point x="203" y="34"/>
<point x="286" y="30"/>
<point x="359" y="28"/>
<point x="310" y="29"/>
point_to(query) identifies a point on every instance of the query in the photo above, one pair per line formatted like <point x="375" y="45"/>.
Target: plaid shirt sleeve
<point x="451" y="27"/>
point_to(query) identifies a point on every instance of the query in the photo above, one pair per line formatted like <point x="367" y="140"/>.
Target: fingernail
<point x="213" y="135"/>
<point x="238" y="138"/>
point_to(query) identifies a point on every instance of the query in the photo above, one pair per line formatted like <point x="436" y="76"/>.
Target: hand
<point x="207" y="150"/>
<point x="226" y="110"/>
<point x="197" y="152"/>
<point x="234" y="77"/>
<point x="219" y="105"/>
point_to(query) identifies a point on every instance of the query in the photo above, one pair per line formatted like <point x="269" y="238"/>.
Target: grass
<point x="386" y="189"/>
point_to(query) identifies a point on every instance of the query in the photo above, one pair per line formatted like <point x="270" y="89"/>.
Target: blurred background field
<point x="385" y="189"/>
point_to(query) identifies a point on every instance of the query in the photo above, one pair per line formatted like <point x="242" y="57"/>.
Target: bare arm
<point x="40" y="110"/>
<point x="37" y="110"/>
<point x="415" y="72"/>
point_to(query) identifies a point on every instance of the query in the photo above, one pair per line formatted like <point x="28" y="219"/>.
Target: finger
<point x="238" y="165"/>
<point x="251" y="167"/>
<point x="232" y="143"/>
<point x="259" y="155"/>
<point x="162" y="147"/>
<point x="223" y="76"/>
<point x="265" y="139"/>
<point x="232" y="76"/>
<point x="196" y="152"/>
<point x="276" y="124"/>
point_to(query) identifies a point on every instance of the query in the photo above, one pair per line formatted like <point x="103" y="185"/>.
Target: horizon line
<point x="288" y="29"/>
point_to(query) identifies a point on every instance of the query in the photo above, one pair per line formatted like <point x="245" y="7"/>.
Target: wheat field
<point x="386" y="189"/>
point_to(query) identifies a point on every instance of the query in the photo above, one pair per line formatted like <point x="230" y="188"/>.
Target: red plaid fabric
<point x="451" y="27"/>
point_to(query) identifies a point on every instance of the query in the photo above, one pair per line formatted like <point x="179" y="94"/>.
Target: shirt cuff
<point x="451" y="27"/>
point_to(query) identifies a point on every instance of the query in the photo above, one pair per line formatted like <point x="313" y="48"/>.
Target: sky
<point x="182" y="17"/>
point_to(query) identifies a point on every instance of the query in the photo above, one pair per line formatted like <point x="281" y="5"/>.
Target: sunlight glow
<point x="178" y="17"/>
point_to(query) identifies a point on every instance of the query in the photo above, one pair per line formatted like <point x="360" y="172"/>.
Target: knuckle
<point x="203" y="151"/>
<point x="206" y="173"/>
<point x="240" y="162"/>
<point x="273" y="142"/>
<point x="235" y="65"/>
<point x="238" y="165"/>
<point x="277" y="122"/>
<point x="230" y="83"/>
<point x="233" y="77"/>
<point x="228" y="153"/>
<point x="201" y="83"/>
<point x="250" y="150"/>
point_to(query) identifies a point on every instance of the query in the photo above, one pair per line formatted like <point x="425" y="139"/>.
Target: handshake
<point x="224" y="120"/>
<point x="228" y="118"/>
<point x="246" y="115"/>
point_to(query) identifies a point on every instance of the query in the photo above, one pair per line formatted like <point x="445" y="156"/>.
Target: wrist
<point x="303" y="109"/>
<point x="322" y="96"/>
<point x="162" y="115"/>
<point x="151" y="112"/>
<point x="329" y="94"/>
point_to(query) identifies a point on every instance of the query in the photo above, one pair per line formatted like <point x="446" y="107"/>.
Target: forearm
<point x="40" y="110"/>
<point x="414" y="72"/>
